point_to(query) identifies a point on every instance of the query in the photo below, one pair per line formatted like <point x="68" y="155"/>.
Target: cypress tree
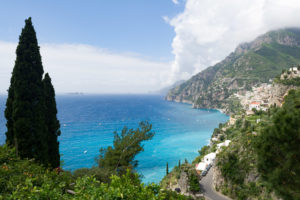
<point x="10" y="138"/>
<point x="53" y="126"/>
<point x="25" y="108"/>
<point x="167" y="169"/>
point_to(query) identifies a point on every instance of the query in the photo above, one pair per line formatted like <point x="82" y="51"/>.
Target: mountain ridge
<point x="248" y="65"/>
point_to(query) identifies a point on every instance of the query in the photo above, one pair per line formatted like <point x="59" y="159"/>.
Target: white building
<point x="201" y="166"/>
<point x="223" y="144"/>
<point x="254" y="104"/>
<point x="293" y="69"/>
<point x="209" y="158"/>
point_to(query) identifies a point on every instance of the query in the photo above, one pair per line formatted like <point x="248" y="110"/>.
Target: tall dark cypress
<point x="53" y="126"/>
<point x="10" y="138"/>
<point x="25" y="107"/>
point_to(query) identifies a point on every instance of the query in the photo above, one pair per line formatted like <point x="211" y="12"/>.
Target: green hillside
<point x="250" y="64"/>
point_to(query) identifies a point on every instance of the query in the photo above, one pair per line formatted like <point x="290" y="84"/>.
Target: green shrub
<point x="194" y="183"/>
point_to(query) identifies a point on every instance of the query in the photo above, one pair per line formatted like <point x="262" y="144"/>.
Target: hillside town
<point x="265" y="95"/>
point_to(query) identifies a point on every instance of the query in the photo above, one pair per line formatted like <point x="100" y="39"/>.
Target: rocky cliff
<point x="250" y="64"/>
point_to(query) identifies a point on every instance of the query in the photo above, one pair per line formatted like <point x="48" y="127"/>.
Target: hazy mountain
<point x="164" y="91"/>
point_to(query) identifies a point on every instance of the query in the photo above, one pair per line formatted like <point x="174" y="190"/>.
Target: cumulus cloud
<point x="83" y="68"/>
<point x="208" y="30"/>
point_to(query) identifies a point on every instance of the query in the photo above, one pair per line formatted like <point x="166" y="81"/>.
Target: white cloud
<point x="208" y="30"/>
<point x="82" y="68"/>
<point x="175" y="1"/>
<point x="166" y="19"/>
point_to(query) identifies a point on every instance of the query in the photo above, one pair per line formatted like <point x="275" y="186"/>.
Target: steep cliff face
<point x="250" y="64"/>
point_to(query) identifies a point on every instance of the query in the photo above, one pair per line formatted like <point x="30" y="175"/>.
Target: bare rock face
<point x="218" y="179"/>
<point x="183" y="182"/>
<point x="278" y="93"/>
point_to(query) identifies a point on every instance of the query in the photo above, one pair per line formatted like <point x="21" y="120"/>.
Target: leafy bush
<point x="194" y="183"/>
<point x="101" y="174"/>
<point x="228" y="163"/>
<point x="24" y="179"/>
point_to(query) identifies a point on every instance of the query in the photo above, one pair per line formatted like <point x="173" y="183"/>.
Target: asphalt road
<point x="208" y="190"/>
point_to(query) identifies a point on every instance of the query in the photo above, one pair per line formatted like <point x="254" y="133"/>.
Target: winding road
<point x="207" y="187"/>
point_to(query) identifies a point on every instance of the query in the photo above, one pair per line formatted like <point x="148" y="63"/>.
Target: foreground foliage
<point x="25" y="179"/>
<point x="278" y="149"/>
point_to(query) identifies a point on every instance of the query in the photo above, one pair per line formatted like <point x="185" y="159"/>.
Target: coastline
<point x="221" y="110"/>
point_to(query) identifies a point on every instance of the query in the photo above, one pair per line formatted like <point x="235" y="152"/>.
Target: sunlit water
<point x="88" y="123"/>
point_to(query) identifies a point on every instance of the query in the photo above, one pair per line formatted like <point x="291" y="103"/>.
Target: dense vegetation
<point x="263" y="158"/>
<point x="278" y="149"/>
<point x="25" y="179"/>
<point x="294" y="81"/>
<point x="32" y="126"/>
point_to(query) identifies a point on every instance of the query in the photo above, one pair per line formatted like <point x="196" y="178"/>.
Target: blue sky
<point x="133" y="26"/>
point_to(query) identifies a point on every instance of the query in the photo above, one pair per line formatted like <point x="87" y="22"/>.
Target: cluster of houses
<point x="293" y="72"/>
<point x="208" y="159"/>
<point x="265" y="95"/>
<point x="260" y="98"/>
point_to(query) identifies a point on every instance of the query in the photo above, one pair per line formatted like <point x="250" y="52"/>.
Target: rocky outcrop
<point x="182" y="184"/>
<point x="218" y="179"/>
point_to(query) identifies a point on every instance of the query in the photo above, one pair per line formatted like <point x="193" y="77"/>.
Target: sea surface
<point x="89" y="121"/>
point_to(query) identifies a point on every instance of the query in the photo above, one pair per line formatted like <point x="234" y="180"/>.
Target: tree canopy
<point x="278" y="149"/>
<point x="125" y="147"/>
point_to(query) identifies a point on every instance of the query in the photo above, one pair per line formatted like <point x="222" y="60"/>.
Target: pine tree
<point x="53" y="126"/>
<point x="25" y="108"/>
<point x="126" y="146"/>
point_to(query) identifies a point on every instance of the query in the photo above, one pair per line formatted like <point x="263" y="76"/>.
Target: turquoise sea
<point x="88" y="123"/>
